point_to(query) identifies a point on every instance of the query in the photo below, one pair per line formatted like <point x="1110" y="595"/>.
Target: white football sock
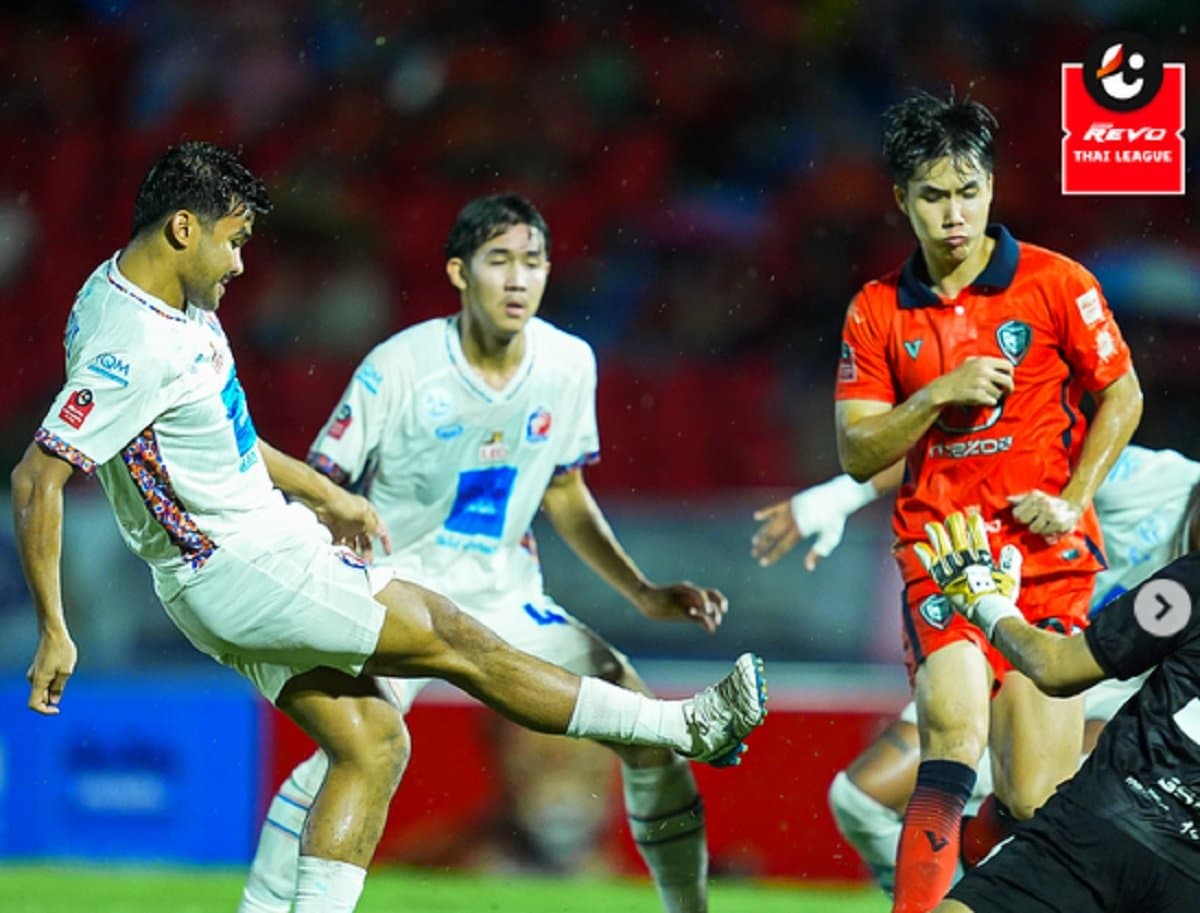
<point x="870" y="827"/>
<point x="271" y="884"/>
<point x="666" y="818"/>
<point x="327" y="886"/>
<point x="608" y="712"/>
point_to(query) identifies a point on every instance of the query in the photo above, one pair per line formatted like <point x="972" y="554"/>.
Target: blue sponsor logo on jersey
<point x="368" y="375"/>
<point x="481" y="503"/>
<point x="112" y="367"/>
<point x="234" y="398"/>
<point x="448" y="432"/>
<point x="437" y="403"/>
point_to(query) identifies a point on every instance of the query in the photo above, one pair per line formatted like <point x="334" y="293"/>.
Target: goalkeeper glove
<point x="959" y="559"/>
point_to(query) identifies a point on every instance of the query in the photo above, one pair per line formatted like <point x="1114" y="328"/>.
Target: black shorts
<point x="1067" y="860"/>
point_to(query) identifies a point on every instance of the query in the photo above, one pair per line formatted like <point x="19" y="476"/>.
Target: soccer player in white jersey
<point x="1149" y="511"/>
<point x="458" y="430"/>
<point x="153" y="408"/>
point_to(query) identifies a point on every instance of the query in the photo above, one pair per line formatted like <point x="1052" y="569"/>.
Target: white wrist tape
<point x="831" y="501"/>
<point x="987" y="611"/>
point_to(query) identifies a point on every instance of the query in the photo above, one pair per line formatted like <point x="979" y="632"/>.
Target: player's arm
<point x="819" y="511"/>
<point x="37" y="503"/>
<point x="1059" y="666"/>
<point x="577" y="518"/>
<point x="350" y="517"/>
<point x="1118" y="411"/>
<point x="872" y="435"/>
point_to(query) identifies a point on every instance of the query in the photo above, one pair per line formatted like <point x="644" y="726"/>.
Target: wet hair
<point x="1187" y="536"/>
<point x="203" y="179"/>
<point x="485" y="217"/>
<point x="924" y="128"/>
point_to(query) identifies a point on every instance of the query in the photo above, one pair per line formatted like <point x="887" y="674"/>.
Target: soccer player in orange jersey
<point x="969" y="363"/>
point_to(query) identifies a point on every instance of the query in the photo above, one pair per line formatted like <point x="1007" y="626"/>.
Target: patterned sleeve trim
<point x="53" y="444"/>
<point x="588" y="459"/>
<point x="328" y="467"/>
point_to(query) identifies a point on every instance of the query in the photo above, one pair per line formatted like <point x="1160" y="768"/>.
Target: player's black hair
<point x="485" y="217"/>
<point x="202" y="178"/>
<point x="924" y="128"/>
<point x="1187" y="537"/>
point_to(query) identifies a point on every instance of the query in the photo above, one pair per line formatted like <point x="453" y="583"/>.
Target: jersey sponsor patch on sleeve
<point x="847" y="367"/>
<point x="1106" y="346"/>
<point x="111" y="367"/>
<point x="77" y="408"/>
<point x="341" y="421"/>
<point x="1089" y="306"/>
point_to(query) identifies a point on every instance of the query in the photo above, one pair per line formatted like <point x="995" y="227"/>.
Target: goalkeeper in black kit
<point x="1123" y="834"/>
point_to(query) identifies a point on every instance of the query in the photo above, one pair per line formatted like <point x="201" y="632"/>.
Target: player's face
<point x="503" y="282"/>
<point x="947" y="205"/>
<point x="217" y="258"/>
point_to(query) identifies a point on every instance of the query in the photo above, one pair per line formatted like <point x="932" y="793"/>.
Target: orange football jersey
<point x="1044" y="313"/>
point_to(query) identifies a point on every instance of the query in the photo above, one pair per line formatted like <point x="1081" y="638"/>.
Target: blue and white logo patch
<point x="937" y="611"/>
<point x="448" y="432"/>
<point x="111" y="367"/>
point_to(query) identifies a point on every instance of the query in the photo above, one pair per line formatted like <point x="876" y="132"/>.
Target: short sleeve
<point x="581" y="443"/>
<point x="1091" y="341"/>
<point x="111" y="395"/>
<point x="353" y="432"/>
<point x="1124" y="645"/>
<point x="863" y="371"/>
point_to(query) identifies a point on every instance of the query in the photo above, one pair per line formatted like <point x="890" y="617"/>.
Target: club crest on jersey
<point x="350" y="558"/>
<point x="937" y="611"/>
<point x="537" y="428"/>
<point x="77" y="408"/>
<point x="341" y="421"/>
<point x="1014" y="337"/>
<point x="493" y="449"/>
<point x="913" y="347"/>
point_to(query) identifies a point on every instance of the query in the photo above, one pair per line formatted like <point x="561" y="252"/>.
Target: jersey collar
<point x="458" y="358"/>
<point x="116" y="279"/>
<point x="914" y="288"/>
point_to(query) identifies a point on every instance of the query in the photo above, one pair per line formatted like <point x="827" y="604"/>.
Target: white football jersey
<point x="152" y="406"/>
<point x="1140" y="506"/>
<point x="456" y="469"/>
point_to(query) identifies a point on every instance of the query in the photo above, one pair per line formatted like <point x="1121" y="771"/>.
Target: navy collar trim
<point x="915" y="285"/>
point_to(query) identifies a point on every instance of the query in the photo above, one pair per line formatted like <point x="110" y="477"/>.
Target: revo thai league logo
<point x="1122" y="116"/>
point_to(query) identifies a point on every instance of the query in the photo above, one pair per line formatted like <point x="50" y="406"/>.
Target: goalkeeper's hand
<point x="959" y="559"/>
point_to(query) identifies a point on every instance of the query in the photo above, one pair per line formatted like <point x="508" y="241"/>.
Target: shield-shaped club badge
<point x="1014" y="337"/>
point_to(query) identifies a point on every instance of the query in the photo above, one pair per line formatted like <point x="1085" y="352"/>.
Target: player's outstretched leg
<point x="425" y="635"/>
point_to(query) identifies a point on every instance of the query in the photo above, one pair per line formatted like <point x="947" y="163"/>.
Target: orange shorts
<point x="1058" y="602"/>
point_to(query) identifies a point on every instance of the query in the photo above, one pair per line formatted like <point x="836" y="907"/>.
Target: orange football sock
<point x="928" y="853"/>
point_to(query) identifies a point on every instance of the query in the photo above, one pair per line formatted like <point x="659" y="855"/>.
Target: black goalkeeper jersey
<point x="1144" y="775"/>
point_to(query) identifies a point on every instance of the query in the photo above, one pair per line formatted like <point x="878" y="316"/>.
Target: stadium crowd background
<point x="711" y="176"/>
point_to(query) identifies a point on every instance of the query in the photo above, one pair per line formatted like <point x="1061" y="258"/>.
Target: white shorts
<point x="273" y="614"/>
<point x="545" y="630"/>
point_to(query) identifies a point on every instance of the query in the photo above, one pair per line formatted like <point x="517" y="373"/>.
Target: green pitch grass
<point x="74" y="890"/>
